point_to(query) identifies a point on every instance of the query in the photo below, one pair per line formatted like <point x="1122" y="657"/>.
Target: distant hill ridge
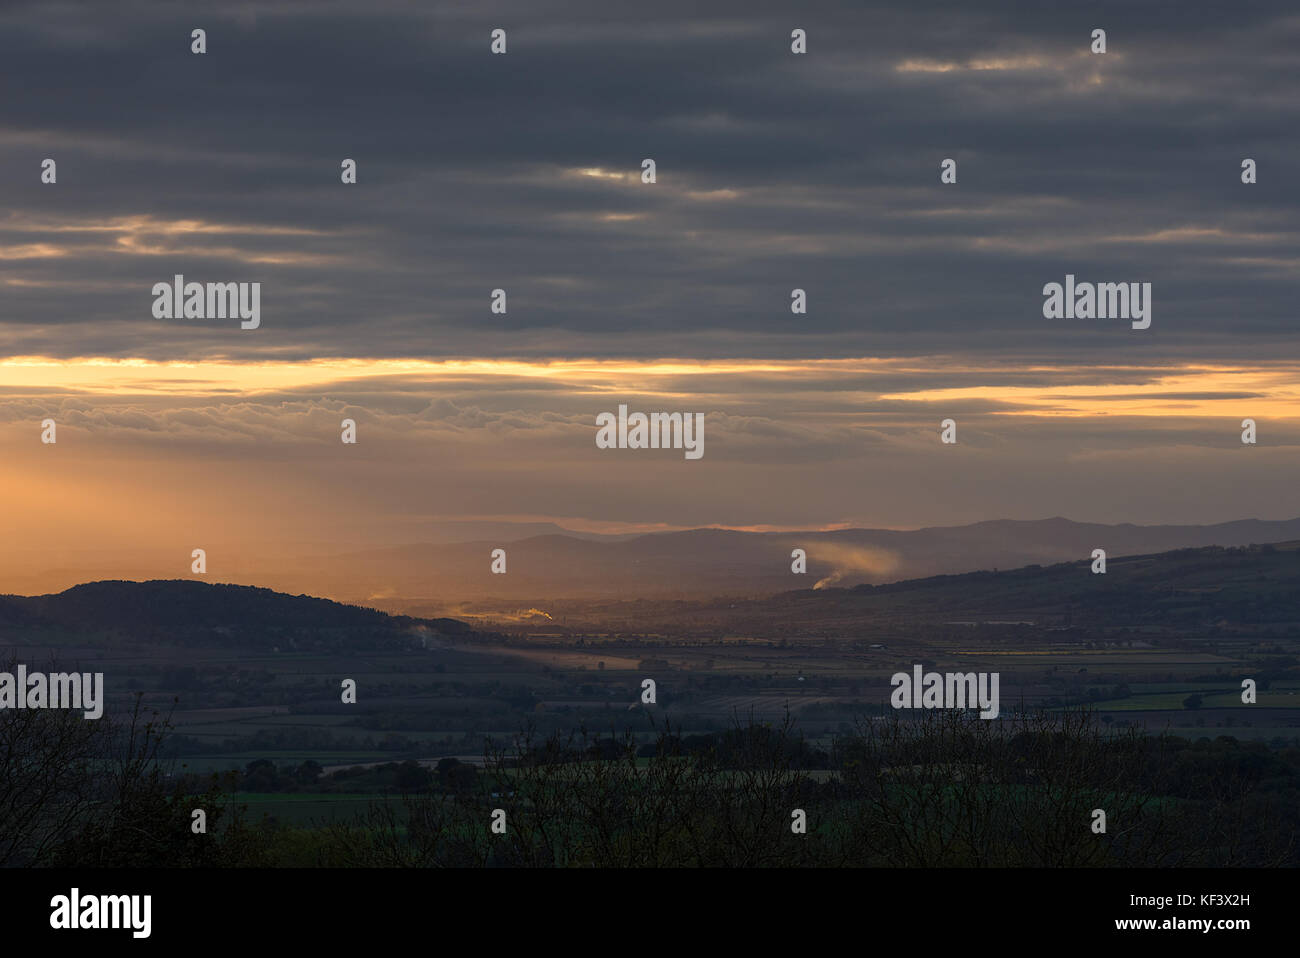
<point x="712" y="561"/>
<point x="184" y="604"/>
<point x="1223" y="580"/>
<point x="697" y="564"/>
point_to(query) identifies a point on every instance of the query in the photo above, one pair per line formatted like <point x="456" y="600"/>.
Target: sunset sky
<point x="522" y="172"/>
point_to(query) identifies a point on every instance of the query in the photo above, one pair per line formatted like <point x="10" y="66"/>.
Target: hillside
<point x="1194" y="591"/>
<point x="186" y="612"/>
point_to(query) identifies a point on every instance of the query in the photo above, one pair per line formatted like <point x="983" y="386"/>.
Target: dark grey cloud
<point x="775" y="171"/>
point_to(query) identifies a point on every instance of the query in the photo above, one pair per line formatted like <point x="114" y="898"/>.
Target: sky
<point x="522" y="172"/>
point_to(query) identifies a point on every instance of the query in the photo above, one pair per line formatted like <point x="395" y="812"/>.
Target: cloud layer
<point x="522" y="172"/>
<point x="775" y="171"/>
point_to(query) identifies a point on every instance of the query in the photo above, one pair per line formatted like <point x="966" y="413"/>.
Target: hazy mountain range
<point x="1187" y="591"/>
<point x="691" y="564"/>
<point x="706" y="562"/>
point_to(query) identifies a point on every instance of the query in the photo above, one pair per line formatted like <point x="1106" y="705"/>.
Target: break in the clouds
<point x="253" y="451"/>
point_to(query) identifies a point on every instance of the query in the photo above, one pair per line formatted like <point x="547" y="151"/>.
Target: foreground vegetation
<point x="941" y="788"/>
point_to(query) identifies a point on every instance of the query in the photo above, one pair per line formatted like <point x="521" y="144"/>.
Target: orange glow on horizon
<point x="1269" y="388"/>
